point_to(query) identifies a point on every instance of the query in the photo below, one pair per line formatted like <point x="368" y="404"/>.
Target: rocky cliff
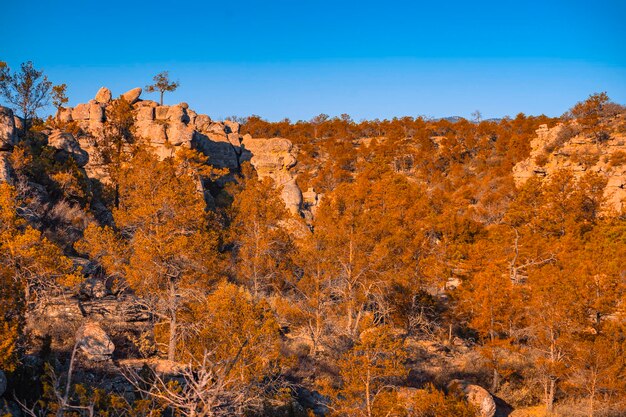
<point x="167" y="129"/>
<point x="566" y="146"/>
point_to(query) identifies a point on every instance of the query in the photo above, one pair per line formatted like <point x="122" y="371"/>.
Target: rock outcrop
<point x="58" y="318"/>
<point x="8" y="133"/>
<point x="103" y="96"/>
<point x="166" y="129"/>
<point x="132" y="95"/>
<point x="67" y="146"/>
<point x="170" y="128"/>
<point x="274" y="158"/>
<point x="475" y="395"/>
<point x="562" y="147"/>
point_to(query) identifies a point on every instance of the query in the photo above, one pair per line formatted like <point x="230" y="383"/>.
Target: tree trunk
<point x="161" y="98"/>
<point x="368" y="400"/>
<point x="171" y="348"/>
<point x="550" y="395"/>
<point x="24" y="126"/>
<point x="592" y="395"/>
<point x="68" y="383"/>
<point x="496" y="380"/>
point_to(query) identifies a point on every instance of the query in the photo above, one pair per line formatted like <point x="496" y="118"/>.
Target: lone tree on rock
<point x="162" y="84"/>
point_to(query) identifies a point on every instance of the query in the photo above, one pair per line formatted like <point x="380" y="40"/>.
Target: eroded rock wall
<point x="562" y="147"/>
<point x="170" y="128"/>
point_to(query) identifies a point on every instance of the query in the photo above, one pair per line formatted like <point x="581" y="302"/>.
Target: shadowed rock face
<point x="6" y="172"/>
<point x="8" y="134"/>
<point x="3" y="383"/>
<point x="554" y="149"/>
<point x="67" y="146"/>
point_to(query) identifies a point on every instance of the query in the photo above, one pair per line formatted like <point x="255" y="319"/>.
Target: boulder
<point x="235" y="140"/>
<point x="292" y="196"/>
<point x="8" y="133"/>
<point x="217" y="147"/>
<point x="475" y="395"/>
<point x="103" y="95"/>
<point x="309" y="197"/>
<point x="202" y="122"/>
<point x="81" y="112"/>
<point x="132" y="95"/>
<point x="65" y="115"/>
<point x="68" y="146"/>
<point x="179" y="133"/>
<point x="216" y="128"/>
<point x="151" y="131"/>
<point x="231" y="126"/>
<point x="160" y="112"/>
<point x="94" y="342"/>
<point x="147" y="103"/>
<point x="192" y="116"/>
<point x="269" y="156"/>
<point x="177" y="114"/>
<point x="96" y="113"/>
<point x="18" y="122"/>
<point x="274" y="158"/>
<point x="163" y="152"/>
<point x="145" y="113"/>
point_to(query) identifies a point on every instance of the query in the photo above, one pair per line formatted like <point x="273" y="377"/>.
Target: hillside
<point x="156" y="262"/>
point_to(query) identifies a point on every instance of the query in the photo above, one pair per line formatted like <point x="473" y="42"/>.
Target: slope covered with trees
<point x="416" y="272"/>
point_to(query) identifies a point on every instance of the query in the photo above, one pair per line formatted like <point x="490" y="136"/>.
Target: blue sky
<point x="297" y="59"/>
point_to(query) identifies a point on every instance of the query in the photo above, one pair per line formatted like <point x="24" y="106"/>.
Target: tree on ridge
<point x="162" y="84"/>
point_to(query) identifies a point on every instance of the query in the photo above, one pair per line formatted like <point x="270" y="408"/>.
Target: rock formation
<point x="8" y="138"/>
<point x="67" y="146"/>
<point x="132" y="95"/>
<point x="169" y="128"/>
<point x="8" y="134"/>
<point x="103" y="96"/>
<point x="274" y="158"/>
<point x="562" y="147"/>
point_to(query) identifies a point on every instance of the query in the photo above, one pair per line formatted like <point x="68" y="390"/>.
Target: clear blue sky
<point x="299" y="58"/>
